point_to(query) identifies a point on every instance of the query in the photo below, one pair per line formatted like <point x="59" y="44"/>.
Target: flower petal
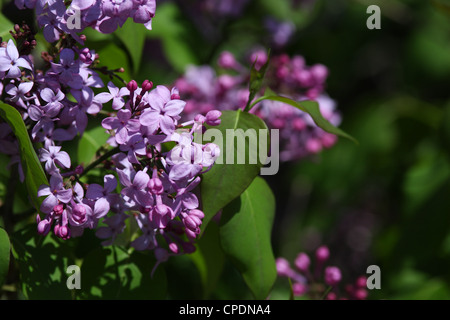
<point x="49" y="203"/>
<point x="141" y="180"/>
<point x="63" y="159"/>
<point x="174" y="107"/>
<point x="11" y="50"/>
<point x="101" y="208"/>
<point x="65" y="195"/>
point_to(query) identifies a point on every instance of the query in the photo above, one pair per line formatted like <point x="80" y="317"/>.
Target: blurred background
<point x="385" y="201"/>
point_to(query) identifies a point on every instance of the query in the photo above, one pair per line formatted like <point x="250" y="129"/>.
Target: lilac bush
<point x="151" y="186"/>
<point x="143" y="181"/>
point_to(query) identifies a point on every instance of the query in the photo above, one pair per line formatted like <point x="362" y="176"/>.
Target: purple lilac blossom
<point x="154" y="187"/>
<point x="204" y="90"/>
<point x="105" y="16"/>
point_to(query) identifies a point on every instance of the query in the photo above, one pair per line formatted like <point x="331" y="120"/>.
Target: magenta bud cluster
<point x="312" y="278"/>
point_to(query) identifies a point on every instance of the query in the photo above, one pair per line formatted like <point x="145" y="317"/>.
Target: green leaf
<point x="209" y="259"/>
<point x="245" y="232"/>
<point x="4" y="255"/>
<point x="133" y="36"/>
<point x="312" y="108"/>
<point x="42" y="263"/>
<point x="226" y="181"/>
<point x="430" y="172"/>
<point x="113" y="273"/>
<point x="174" y="36"/>
<point x="5" y="26"/>
<point x="91" y="141"/>
<point x="32" y="169"/>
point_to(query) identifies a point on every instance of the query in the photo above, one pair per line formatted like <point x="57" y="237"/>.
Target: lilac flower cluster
<point x="314" y="283"/>
<point x="56" y="18"/>
<point x="204" y="90"/>
<point x="143" y="179"/>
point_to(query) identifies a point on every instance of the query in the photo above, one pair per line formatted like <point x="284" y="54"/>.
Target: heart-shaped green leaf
<point x="227" y="180"/>
<point x="245" y="236"/>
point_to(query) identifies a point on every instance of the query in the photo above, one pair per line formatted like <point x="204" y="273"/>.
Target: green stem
<point x="326" y="292"/>
<point x="110" y="73"/>
<point x="100" y="160"/>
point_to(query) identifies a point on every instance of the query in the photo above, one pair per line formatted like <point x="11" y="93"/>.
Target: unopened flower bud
<point x="283" y="267"/>
<point x="226" y="60"/>
<point x="43" y="227"/>
<point x="360" y="294"/>
<point x="322" y="254"/>
<point x="299" y="289"/>
<point x="361" y="282"/>
<point x="79" y="169"/>
<point x="332" y="276"/>
<point x="302" y="262"/>
<point x="58" y="209"/>
<point x="332" y="296"/>
<point x="155" y="186"/>
<point x="147" y="85"/>
<point x="132" y="86"/>
<point x="200" y="118"/>
<point x="213" y="117"/>
<point x="174" y="247"/>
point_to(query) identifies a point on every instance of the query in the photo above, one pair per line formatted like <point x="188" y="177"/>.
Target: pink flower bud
<point x="213" y="117"/>
<point x="43" y="227"/>
<point x="361" y="282"/>
<point x="298" y="124"/>
<point x="58" y="209"/>
<point x="190" y="223"/>
<point x="302" y="262"/>
<point x="200" y="118"/>
<point x="226" y="60"/>
<point x="190" y="234"/>
<point x="313" y="145"/>
<point x="132" y="86"/>
<point x="197" y="213"/>
<point x="332" y="276"/>
<point x="328" y="140"/>
<point x="322" y="254"/>
<point x="174" y="247"/>
<point x="360" y="294"/>
<point x="332" y="296"/>
<point x="283" y="267"/>
<point x="147" y="86"/>
<point x="319" y="72"/>
<point x="299" y="289"/>
<point x="79" y="169"/>
<point x="155" y="186"/>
